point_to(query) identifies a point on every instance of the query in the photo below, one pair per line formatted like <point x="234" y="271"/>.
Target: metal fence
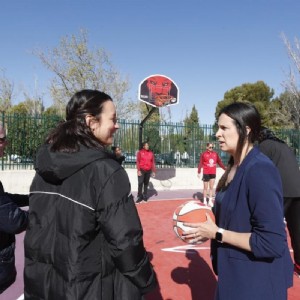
<point x="25" y="134"/>
<point x="167" y="140"/>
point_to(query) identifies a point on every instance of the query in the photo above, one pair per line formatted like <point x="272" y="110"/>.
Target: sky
<point x="206" y="47"/>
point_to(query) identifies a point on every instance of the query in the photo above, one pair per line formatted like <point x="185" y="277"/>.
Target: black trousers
<point x="143" y="182"/>
<point x="292" y="217"/>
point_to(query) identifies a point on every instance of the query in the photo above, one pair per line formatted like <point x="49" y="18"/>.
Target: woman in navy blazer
<point x="249" y="247"/>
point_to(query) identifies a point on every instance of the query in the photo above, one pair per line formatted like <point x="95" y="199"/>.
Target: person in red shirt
<point x="208" y="161"/>
<point x="145" y="163"/>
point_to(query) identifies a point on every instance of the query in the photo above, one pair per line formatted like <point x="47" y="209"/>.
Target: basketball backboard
<point x="158" y="91"/>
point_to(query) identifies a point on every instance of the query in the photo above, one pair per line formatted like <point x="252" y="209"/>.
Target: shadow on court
<point x="156" y="294"/>
<point x="198" y="276"/>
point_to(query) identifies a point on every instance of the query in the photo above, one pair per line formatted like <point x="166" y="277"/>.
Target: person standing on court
<point x="185" y="157"/>
<point x="84" y="239"/>
<point x="208" y="162"/>
<point x="145" y="164"/>
<point x="285" y="160"/>
<point x="249" y="248"/>
<point x="177" y="158"/>
<point x="13" y="220"/>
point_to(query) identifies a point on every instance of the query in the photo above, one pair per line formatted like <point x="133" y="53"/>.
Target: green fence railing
<point x="25" y="134"/>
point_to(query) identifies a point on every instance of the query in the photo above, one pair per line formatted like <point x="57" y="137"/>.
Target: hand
<point x="139" y="173"/>
<point x="201" y="231"/>
<point x="153" y="175"/>
<point x="198" y="175"/>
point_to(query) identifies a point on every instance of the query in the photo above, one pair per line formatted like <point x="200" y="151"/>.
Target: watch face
<point x="219" y="236"/>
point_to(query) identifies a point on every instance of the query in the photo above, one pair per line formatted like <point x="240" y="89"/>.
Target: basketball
<point x="190" y="212"/>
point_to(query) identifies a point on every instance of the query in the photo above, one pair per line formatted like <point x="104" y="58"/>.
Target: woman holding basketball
<point x="249" y="247"/>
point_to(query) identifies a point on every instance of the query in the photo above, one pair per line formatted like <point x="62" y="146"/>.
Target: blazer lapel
<point x="231" y="197"/>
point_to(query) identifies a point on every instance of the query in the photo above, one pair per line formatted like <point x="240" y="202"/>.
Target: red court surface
<point x="184" y="271"/>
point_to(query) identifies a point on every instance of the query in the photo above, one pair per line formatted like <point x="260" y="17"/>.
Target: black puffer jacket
<point x="84" y="239"/>
<point x="12" y="220"/>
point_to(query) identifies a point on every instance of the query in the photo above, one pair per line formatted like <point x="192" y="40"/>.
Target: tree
<point x="259" y="94"/>
<point x="51" y="110"/>
<point x="291" y="104"/>
<point x="77" y="67"/>
<point x="19" y="109"/>
<point x="30" y="106"/>
<point x="144" y="110"/>
<point x="151" y="126"/>
<point x="193" y="132"/>
<point x="279" y="113"/>
<point x="6" y="92"/>
<point x="192" y="127"/>
<point x="193" y="118"/>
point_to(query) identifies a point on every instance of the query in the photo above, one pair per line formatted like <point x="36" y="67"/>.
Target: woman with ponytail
<point x="84" y="239"/>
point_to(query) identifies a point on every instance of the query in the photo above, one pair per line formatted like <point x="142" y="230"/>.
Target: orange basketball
<point x="190" y="212"/>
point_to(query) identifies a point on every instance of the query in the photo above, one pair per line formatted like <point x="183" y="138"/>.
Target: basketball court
<point x="184" y="271"/>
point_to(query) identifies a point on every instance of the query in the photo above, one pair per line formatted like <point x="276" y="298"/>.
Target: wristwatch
<point x="219" y="235"/>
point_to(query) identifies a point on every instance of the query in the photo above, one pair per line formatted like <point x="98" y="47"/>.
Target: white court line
<point x="183" y="249"/>
<point x="21" y="297"/>
<point x="173" y="199"/>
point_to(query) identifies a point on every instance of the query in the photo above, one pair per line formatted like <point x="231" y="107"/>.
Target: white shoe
<point x="210" y="202"/>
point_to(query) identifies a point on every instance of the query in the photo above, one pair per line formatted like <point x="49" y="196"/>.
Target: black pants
<point x="292" y="217"/>
<point x="143" y="181"/>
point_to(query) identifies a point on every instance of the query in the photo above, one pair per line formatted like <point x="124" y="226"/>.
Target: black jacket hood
<point x="55" y="167"/>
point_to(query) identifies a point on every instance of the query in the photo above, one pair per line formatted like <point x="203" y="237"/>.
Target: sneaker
<point x="210" y="202"/>
<point x="297" y="270"/>
<point x="145" y="198"/>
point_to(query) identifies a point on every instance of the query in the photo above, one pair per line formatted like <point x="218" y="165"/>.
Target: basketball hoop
<point x="158" y="91"/>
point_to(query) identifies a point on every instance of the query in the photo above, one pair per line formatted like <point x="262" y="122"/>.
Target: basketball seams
<point x="189" y="212"/>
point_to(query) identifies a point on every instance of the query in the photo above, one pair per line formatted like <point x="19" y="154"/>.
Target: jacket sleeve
<point x="12" y="219"/>
<point x="138" y="158"/>
<point x="122" y="229"/>
<point x="200" y="165"/>
<point x="268" y="238"/>
<point x="20" y="200"/>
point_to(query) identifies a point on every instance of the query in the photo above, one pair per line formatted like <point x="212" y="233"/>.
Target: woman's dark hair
<point x="268" y="134"/>
<point x="70" y="134"/>
<point x="143" y="144"/>
<point x="244" y="115"/>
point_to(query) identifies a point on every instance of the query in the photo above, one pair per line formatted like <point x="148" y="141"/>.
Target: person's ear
<point x="248" y="129"/>
<point x="89" y="120"/>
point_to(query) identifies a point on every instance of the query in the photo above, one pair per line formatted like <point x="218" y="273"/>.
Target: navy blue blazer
<point x="253" y="202"/>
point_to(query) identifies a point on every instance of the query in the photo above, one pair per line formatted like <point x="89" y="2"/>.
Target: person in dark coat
<point x="84" y="239"/>
<point x="285" y="160"/>
<point x="117" y="154"/>
<point x="249" y="246"/>
<point x="13" y="220"/>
